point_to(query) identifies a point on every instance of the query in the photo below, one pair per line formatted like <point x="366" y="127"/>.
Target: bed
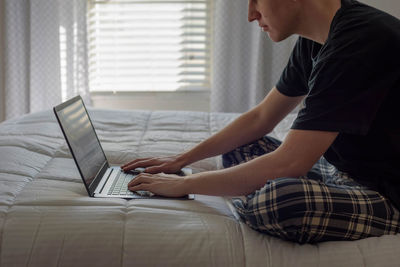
<point x="47" y="218"/>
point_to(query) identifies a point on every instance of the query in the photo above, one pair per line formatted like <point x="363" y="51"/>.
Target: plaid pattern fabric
<point x="324" y="205"/>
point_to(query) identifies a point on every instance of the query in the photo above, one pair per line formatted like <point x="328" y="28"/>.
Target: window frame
<point x="206" y="85"/>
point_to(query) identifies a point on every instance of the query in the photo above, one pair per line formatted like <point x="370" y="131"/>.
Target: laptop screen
<point x="80" y="134"/>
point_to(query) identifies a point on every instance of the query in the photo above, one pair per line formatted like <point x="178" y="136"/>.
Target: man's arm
<point x="295" y="157"/>
<point x="250" y="126"/>
<point x="298" y="153"/>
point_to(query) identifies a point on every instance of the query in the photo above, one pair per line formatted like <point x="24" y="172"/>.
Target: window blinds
<point x="149" y="45"/>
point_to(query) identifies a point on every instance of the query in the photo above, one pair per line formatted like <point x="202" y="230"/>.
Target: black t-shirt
<point x="352" y="83"/>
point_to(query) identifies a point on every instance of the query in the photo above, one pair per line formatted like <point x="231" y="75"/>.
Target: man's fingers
<point x="140" y="179"/>
<point x="139" y="164"/>
<point x="136" y="162"/>
<point x="133" y="162"/>
<point x="140" y="187"/>
<point x="154" y="169"/>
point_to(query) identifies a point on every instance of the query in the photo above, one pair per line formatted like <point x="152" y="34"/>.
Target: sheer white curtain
<point x="45" y="57"/>
<point x="246" y="63"/>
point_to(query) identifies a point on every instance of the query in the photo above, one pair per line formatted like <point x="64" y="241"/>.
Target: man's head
<point x="282" y="18"/>
<point x="279" y="18"/>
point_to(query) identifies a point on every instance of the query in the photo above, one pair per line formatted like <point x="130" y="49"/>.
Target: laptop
<point x="100" y="179"/>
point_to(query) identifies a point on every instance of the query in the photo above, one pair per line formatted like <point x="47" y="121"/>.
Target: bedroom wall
<point x="390" y="6"/>
<point x="1" y="63"/>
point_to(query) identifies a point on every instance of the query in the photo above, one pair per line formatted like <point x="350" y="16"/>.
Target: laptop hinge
<point x="97" y="179"/>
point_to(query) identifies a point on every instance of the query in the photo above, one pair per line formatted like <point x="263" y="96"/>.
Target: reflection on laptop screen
<point x="82" y="139"/>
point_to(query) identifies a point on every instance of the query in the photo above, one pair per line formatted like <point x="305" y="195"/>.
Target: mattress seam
<point x="144" y="131"/>
<point x="243" y="244"/>
<point x="361" y="254"/>
<point x="237" y="218"/>
<point x="209" y="125"/>
<point x="25" y="183"/>
<point x="2" y="233"/>
<point x="123" y="236"/>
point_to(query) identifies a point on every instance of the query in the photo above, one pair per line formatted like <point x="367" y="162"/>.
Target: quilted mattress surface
<point x="47" y="218"/>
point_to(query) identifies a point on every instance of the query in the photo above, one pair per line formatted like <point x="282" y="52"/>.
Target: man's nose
<point x="252" y="14"/>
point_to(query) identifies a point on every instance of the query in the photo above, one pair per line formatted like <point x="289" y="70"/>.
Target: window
<point x="149" y="45"/>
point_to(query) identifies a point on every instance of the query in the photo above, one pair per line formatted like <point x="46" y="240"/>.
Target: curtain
<point x="45" y="54"/>
<point x="246" y="63"/>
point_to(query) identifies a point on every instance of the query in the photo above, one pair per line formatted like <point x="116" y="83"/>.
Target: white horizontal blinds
<point x="149" y="45"/>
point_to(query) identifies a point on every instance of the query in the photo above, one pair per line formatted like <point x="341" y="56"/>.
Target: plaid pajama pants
<point x="324" y="205"/>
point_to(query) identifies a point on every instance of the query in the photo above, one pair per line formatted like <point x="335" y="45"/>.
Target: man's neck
<point x="316" y="19"/>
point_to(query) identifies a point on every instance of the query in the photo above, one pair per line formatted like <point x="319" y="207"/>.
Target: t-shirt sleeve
<point x="294" y="78"/>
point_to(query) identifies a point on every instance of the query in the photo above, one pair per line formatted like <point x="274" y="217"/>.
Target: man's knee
<point x="229" y="159"/>
<point x="280" y="209"/>
<point x="250" y="151"/>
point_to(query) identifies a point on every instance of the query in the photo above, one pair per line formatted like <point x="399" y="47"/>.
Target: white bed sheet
<point x="47" y="219"/>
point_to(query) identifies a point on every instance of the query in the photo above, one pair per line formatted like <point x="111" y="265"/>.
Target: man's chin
<point x="277" y="37"/>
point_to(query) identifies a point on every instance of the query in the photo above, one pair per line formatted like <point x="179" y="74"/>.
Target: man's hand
<point x="161" y="184"/>
<point x="171" y="164"/>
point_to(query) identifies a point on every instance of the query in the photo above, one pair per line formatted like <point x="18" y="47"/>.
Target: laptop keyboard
<point x="120" y="186"/>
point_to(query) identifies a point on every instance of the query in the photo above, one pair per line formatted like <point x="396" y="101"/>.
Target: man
<point x="336" y="176"/>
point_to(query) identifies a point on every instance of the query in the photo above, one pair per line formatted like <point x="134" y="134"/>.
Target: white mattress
<point x="47" y="219"/>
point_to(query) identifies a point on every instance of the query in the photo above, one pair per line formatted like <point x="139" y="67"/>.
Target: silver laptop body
<point x="99" y="178"/>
